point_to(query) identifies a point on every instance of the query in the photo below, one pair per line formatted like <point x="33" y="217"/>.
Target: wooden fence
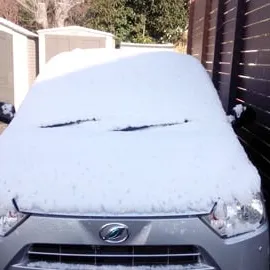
<point x="232" y="40"/>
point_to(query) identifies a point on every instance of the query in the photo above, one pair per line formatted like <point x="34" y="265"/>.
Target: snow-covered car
<point x="127" y="159"/>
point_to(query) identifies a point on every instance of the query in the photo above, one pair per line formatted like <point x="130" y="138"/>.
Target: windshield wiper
<point x="136" y="128"/>
<point x="126" y="129"/>
<point x="77" y="122"/>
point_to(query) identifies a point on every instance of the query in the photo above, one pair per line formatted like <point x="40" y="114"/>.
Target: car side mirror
<point x="7" y="112"/>
<point x="243" y="116"/>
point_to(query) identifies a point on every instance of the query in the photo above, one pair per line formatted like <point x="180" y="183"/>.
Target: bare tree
<point x="77" y="14"/>
<point x="9" y="10"/>
<point x="37" y="8"/>
<point x="49" y="13"/>
<point x="62" y="9"/>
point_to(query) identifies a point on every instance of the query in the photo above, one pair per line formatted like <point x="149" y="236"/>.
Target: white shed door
<point x="6" y="68"/>
<point x="56" y="44"/>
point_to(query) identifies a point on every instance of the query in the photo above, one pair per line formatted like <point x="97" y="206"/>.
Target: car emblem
<point x="114" y="233"/>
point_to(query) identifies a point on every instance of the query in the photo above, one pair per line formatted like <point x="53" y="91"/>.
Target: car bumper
<point x="245" y="252"/>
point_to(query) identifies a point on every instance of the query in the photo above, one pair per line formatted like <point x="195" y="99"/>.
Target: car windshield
<point x="95" y="88"/>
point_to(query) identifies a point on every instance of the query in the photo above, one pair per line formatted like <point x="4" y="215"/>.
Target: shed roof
<point x="75" y="28"/>
<point x="16" y="28"/>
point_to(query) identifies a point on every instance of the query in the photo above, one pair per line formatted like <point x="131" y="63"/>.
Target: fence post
<point x="229" y="98"/>
<point x="218" y="40"/>
<point x="190" y="26"/>
<point x="206" y="10"/>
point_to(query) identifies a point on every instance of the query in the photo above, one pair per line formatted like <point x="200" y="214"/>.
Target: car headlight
<point x="10" y="221"/>
<point x="233" y="219"/>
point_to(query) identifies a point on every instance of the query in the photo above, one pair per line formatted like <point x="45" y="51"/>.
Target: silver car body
<point x="204" y="247"/>
<point x="58" y="239"/>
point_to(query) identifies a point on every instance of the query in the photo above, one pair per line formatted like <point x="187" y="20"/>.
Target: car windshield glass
<point x="141" y="91"/>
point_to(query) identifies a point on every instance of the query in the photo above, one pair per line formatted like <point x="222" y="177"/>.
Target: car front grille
<point x="115" y="255"/>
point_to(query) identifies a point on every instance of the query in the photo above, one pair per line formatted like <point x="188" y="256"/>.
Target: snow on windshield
<point x="121" y="88"/>
<point x="72" y="154"/>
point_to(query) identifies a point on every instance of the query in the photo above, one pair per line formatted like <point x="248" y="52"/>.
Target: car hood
<point x="111" y="132"/>
<point x="93" y="170"/>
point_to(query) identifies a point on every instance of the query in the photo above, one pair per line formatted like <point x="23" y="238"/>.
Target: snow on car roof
<point x="111" y="132"/>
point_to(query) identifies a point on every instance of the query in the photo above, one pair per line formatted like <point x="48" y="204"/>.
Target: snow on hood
<point x="111" y="132"/>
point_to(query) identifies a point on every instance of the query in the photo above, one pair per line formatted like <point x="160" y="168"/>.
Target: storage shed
<point x="18" y="61"/>
<point x="56" y="40"/>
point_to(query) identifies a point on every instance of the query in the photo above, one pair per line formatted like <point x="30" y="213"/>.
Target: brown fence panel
<point x="236" y="42"/>
<point x="208" y="57"/>
<point x="199" y="24"/>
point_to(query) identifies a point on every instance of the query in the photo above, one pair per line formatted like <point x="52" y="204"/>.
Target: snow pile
<point x="238" y="110"/>
<point x="231" y="118"/>
<point x="84" y="167"/>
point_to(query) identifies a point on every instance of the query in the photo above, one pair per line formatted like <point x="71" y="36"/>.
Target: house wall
<point x="21" y="82"/>
<point x="110" y="42"/>
<point x="23" y="54"/>
<point x="42" y="51"/>
<point x="70" y="37"/>
<point x="6" y="67"/>
<point x="69" y="32"/>
<point x="55" y="44"/>
<point x="32" y="60"/>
